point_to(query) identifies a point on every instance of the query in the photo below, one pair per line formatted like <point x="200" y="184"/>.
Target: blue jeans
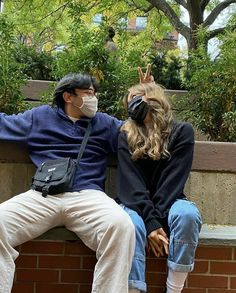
<point x="184" y="222"/>
<point x="137" y="273"/>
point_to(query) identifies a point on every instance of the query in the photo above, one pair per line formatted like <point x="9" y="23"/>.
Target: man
<point x="57" y="132"/>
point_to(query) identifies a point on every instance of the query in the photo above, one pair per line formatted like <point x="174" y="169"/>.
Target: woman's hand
<point x="158" y="242"/>
<point x="147" y="77"/>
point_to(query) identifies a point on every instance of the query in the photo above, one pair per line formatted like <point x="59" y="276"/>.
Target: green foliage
<point x="39" y="30"/>
<point x="166" y="70"/>
<point x="211" y="105"/>
<point x="47" y="96"/>
<point x="40" y="23"/>
<point x="12" y="77"/>
<point x="35" y="64"/>
<point x="116" y="70"/>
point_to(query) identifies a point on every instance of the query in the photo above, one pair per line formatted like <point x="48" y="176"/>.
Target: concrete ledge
<point x="33" y="89"/>
<point x="220" y="235"/>
<point x="59" y="233"/>
<point x="211" y="235"/>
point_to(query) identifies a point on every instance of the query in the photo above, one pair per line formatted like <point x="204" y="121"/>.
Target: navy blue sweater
<point x="150" y="187"/>
<point x="48" y="133"/>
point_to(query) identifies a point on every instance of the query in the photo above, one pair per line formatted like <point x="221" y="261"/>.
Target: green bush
<point x="35" y="64"/>
<point x="11" y="75"/>
<point x="166" y="70"/>
<point x="211" y="103"/>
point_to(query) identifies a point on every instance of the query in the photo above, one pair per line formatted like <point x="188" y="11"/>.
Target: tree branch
<point x="216" y="11"/>
<point x="216" y="32"/>
<point x="149" y="8"/>
<point x="23" y="4"/>
<point x="172" y="16"/>
<point x="145" y="10"/>
<point x="182" y="3"/>
<point x="62" y="8"/>
<point x="204" y="4"/>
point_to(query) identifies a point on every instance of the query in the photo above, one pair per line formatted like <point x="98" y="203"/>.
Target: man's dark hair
<point x="69" y="83"/>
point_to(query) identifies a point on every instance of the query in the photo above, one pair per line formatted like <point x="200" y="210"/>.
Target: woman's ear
<point x="67" y="97"/>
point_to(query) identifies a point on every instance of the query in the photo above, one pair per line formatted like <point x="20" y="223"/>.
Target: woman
<point x="155" y="157"/>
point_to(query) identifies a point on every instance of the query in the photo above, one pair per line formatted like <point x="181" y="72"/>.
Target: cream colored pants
<point x="97" y="220"/>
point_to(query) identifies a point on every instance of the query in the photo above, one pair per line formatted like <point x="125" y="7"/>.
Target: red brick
<point x="58" y="288"/>
<point x="193" y="290"/>
<point x="22" y="288"/>
<point x="132" y="23"/>
<point x="88" y="262"/>
<point x="201" y="266"/>
<point x="233" y="283"/>
<point x="77" y="248"/>
<point x="43" y="247"/>
<point x="157" y="279"/>
<point x="199" y="281"/>
<point x="206" y="252"/>
<point x="26" y="261"/>
<point x="223" y="268"/>
<point x="155" y="289"/>
<point x="221" y="291"/>
<point x="73" y="265"/>
<point x="85" y="289"/>
<point x="49" y="276"/>
<point x="76" y="276"/>
<point x="57" y="261"/>
<point x="156" y="265"/>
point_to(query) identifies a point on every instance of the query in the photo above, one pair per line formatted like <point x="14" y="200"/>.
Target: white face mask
<point x="89" y="106"/>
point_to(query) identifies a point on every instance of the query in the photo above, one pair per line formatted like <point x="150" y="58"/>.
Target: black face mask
<point x="137" y="109"/>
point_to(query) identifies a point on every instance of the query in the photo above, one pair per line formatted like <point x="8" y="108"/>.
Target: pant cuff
<point x="142" y="286"/>
<point x="179" y="267"/>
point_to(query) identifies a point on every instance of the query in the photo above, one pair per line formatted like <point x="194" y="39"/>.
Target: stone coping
<point x="211" y="235"/>
<point x="218" y="235"/>
<point x="33" y="89"/>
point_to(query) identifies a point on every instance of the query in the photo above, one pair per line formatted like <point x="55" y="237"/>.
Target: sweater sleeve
<point x="132" y="190"/>
<point x="15" y="128"/>
<point x="115" y="125"/>
<point x="170" y="184"/>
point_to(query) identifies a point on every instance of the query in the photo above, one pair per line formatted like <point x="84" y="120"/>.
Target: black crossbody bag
<point x="56" y="176"/>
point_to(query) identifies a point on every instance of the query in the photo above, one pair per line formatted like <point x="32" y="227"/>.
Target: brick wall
<point x="67" y="266"/>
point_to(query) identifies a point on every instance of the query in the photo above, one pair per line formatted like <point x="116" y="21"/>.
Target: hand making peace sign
<point x="147" y="77"/>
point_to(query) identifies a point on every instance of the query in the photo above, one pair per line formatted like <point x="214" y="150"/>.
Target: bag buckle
<point x="47" y="179"/>
<point x="44" y="191"/>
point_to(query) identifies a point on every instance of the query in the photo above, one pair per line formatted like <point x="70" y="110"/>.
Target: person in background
<point x="155" y="155"/>
<point x="54" y="132"/>
<point x="110" y="44"/>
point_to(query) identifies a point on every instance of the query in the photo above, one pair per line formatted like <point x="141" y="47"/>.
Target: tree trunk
<point x="195" y="19"/>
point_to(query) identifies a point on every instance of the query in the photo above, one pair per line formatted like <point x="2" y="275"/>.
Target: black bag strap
<point x="84" y="142"/>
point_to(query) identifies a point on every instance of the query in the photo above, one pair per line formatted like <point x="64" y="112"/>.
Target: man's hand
<point x="147" y="77"/>
<point x="158" y="242"/>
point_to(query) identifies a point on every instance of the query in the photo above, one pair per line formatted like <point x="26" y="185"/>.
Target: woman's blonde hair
<point x="149" y="139"/>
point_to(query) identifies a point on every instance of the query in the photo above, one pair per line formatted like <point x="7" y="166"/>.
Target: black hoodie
<point x="150" y="187"/>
